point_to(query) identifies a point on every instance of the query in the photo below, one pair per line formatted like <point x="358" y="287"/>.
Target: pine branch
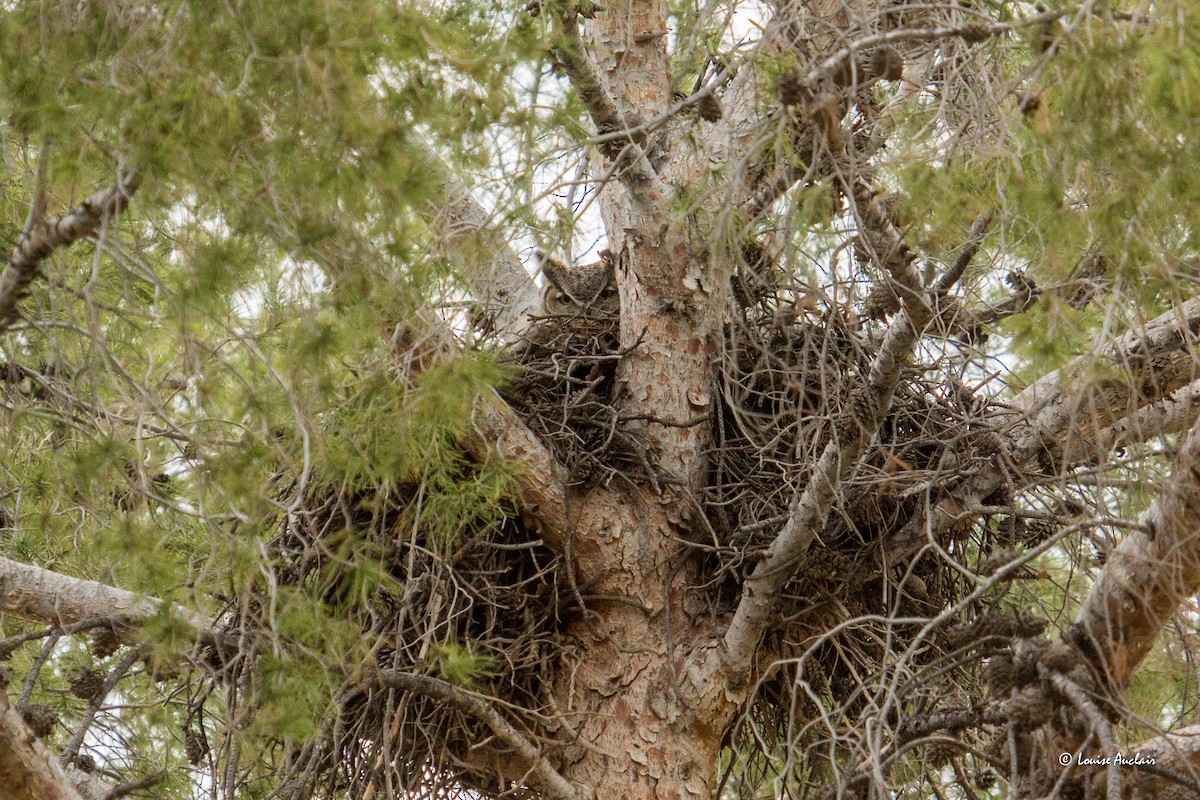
<point x="542" y="479"/>
<point x="838" y="63"/>
<point x="1099" y="724"/>
<point x="42" y="237"/>
<point x="839" y="460"/>
<point x="970" y="32"/>
<point x="1147" y="575"/>
<point x="497" y="430"/>
<point x="619" y="137"/>
<point x="1173" y="414"/>
<point x="52" y="598"/>
<point x="497" y="278"/>
<point x="1153" y="361"/>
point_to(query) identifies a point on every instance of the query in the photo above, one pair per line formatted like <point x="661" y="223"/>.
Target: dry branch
<point x="1157" y="358"/>
<point x="1178" y="750"/>
<point x="840" y="458"/>
<point x="624" y="149"/>
<point x="502" y="288"/>
<point x="497" y="428"/>
<point x="970" y="32"/>
<point x="554" y="784"/>
<point x="542" y="479"/>
<point x="1173" y="414"/>
<point x="42" y="237"/>
<point x="1139" y="368"/>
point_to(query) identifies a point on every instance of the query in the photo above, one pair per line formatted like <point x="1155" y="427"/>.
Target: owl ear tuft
<point x="553" y="270"/>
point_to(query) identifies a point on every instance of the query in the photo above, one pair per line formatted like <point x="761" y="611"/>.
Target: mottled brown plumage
<point x="579" y="288"/>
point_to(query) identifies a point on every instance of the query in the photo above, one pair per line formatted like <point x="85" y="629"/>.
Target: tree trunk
<point x="643" y="722"/>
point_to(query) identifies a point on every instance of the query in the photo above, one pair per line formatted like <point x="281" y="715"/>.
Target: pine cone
<point x="41" y="719"/>
<point x="961" y="634"/>
<point x="1027" y="624"/>
<point x="195" y="747"/>
<point x="1178" y="791"/>
<point x="939" y="754"/>
<point x="974" y="32"/>
<point x="104" y="642"/>
<point x="1074" y="789"/>
<point x="1030" y="708"/>
<point x="1026" y="653"/>
<point x="882" y="302"/>
<point x="86" y="683"/>
<point x="791" y="88"/>
<point x="996" y="561"/>
<point x="1000" y="674"/>
<point x="709" y="108"/>
<point x="996" y="623"/>
<point x="1081" y="676"/>
<point x="1059" y="656"/>
<point x="85" y="763"/>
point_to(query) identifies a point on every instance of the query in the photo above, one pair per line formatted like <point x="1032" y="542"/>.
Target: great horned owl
<point x="584" y="288"/>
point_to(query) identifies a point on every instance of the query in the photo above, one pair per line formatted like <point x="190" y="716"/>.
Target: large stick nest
<point x="786" y="382"/>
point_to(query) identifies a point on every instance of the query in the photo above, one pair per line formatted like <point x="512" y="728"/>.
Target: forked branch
<point x="620" y="137"/>
<point x="542" y="480"/>
<point x="1060" y="409"/>
<point x="840" y="457"/>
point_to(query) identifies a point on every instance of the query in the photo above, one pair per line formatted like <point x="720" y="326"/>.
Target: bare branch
<point x="1173" y="414"/>
<point x="840" y="457"/>
<point x="1178" y="750"/>
<point x="125" y="789"/>
<point x="620" y="138"/>
<point x="41" y="237"/>
<point x="970" y="32"/>
<point x="555" y="784"/>
<point x="1099" y="724"/>
<point x="952" y="275"/>
<point x="498" y="429"/>
<point x="1142" y="352"/>
<point x="495" y="274"/>
<point x="38" y="594"/>
<point x="1151" y="361"/>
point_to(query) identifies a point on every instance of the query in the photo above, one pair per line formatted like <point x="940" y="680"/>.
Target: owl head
<point x="578" y="289"/>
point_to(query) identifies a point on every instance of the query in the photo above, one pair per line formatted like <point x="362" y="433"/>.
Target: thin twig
<point x="554" y="783"/>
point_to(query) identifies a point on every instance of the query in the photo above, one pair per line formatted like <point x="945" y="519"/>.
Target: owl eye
<point x="554" y="301"/>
